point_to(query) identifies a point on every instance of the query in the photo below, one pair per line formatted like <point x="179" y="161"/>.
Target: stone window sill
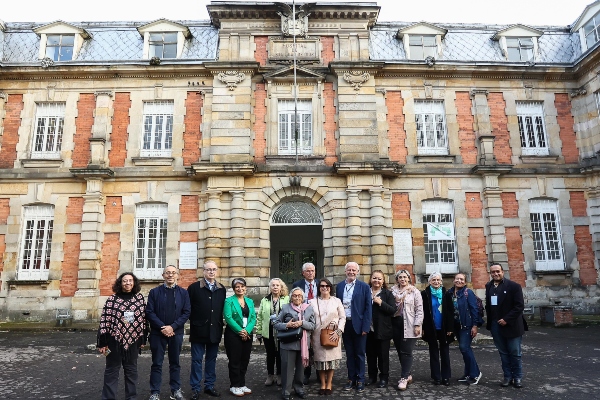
<point x="153" y="161"/>
<point x="12" y="284"/>
<point x="429" y="158"/>
<point x="539" y="159"/>
<point x="41" y="163"/>
<point x="541" y="273"/>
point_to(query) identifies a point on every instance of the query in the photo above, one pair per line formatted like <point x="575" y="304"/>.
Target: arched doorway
<point x="296" y="238"/>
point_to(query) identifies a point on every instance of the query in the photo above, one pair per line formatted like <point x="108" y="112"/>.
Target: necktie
<point x="310" y="292"/>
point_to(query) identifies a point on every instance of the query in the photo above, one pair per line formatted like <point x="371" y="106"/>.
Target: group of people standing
<point x="304" y="329"/>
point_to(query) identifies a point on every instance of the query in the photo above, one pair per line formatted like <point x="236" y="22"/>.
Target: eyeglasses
<point x="210" y="269"/>
<point x="324" y="286"/>
<point x="170" y="273"/>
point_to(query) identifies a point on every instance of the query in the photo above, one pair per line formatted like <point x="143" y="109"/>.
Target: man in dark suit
<point x="309" y="285"/>
<point x="504" y="307"/>
<point x="356" y="298"/>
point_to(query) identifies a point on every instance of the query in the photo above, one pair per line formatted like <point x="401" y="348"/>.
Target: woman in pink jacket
<point x="406" y="323"/>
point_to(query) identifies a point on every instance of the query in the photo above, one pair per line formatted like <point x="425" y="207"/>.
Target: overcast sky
<point x="529" y="12"/>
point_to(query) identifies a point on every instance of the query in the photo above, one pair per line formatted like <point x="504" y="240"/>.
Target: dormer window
<point x="422" y="40"/>
<point x="591" y="31"/>
<point x="60" y="47"/>
<point x="422" y="47"/>
<point x="163" y="45"/>
<point x="163" y="39"/>
<point x="519" y="43"/>
<point x="519" y="49"/>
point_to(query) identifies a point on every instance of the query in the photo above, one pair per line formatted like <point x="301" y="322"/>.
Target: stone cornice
<point x="385" y="168"/>
<point x="205" y="169"/>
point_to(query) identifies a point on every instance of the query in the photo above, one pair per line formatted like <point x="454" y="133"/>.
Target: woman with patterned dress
<point x="122" y="334"/>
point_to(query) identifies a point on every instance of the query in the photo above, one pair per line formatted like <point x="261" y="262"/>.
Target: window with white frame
<point x="597" y="99"/>
<point x="519" y="49"/>
<point x="545" y="231"/>
<point x="439" y="236"/>
<point x="431" y="127"/>
<point x="36" y="242"/>
<point x="591" y="31"/>
<point x="150" y="240"/>
<point x="530" y="116"/>
<point x="287" y="127"/>
<point x="163" y="45"/>
<point x="48" y="131"/>
<point x="158" y="129"/>
<point x="421" y="46"/>
<point x="60" y="47"/>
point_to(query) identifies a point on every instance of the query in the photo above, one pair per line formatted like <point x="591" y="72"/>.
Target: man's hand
<point x="501" y="322"/>
<point x="167" y="330"/>
<point x="473" y="332"/>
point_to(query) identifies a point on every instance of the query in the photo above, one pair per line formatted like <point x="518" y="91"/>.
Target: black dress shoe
<point x="370" y="382"/>
<point x="212" y="392"/>
<point x="382" y="383"/>
<point x="285" y="397"/>
<point x="518" y="383"/>
<point x="302" y="395"/>
<point x="446" y="382"/>
<point x="349" y="385"/>
<point x="328" y="392"/>
<point x="195" y="395"/>
<point x="506" y="382"/>
<point x="436" y="382"/>
<point x="322" y="392"/>
<point x="360" y="387"/>
<point x="305" y="380"/>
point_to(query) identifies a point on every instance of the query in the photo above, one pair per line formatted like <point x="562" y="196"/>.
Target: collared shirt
<point x="170" y="287"/>
<point x="348" y="293"/>
<point x="307" y="285"/>
<point x="211" y="286"/>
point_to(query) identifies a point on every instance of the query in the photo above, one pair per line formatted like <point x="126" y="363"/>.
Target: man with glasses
<point x="167" y="311"/>
<point x="207" y="297"/>
<point x="504" y="308"/>
<point x="309" y="285"/>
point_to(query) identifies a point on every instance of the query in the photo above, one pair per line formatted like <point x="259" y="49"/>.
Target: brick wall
<point x="192" y="121"/>
<point x="478" y="258"/>
<point x="400" y="206"/>
<point x="113" y="210"/>
<point x="565" y="122"/>
<point x="83" y="129"/>
<point x="189" y="209"/>
<point x="75" y="210"/>
<point x="330" y="125"/>
<point x="578" y="204"/>
<point x="510" y="205"/>
<point x="110" y="262"/>
<point x="120" y="122"/>
<point x="498" y="119"/>
<point x="10" y="137"/>
<point x="4" y="211"/>
<point x="516" y="260"/>
<point x="327" y="53"/>
<point x="466" y="133"/>
<point x="585" y="256"/>
<point x="395" y="120"/>
<point x="260" y="54"/>
<point x="70" y="265"/>
<point x="475" y="206"/>
<point x="260" y="126"/>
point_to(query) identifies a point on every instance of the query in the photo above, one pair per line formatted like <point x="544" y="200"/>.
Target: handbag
<point x="290" y="335"/>
<point x="326" y="340"/>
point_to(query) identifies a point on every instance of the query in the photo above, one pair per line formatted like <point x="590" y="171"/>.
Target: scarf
<point x="437" y="293"/>
<point x="113" y="323"/>
<point x="304" y="341"/>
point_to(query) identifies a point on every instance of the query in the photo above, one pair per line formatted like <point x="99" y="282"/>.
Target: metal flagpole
<point x="296" y="124"/>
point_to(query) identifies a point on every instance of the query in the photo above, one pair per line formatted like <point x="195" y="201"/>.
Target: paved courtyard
<point x="558" y="363"/>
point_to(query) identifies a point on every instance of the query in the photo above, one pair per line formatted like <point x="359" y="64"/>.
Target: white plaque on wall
<point x="402" y="246"/>
<point x="188" y="255"/>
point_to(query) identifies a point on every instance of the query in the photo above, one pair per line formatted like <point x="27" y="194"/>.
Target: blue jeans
<point x="464" y="344"/>
<point x="510" y="353"/>
<point x="158" y="345"/>
<point x="356" y="348"/>
<point x="210" y="375"/>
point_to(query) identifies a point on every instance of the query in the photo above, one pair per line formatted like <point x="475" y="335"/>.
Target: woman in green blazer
<point x="240" y="318"/>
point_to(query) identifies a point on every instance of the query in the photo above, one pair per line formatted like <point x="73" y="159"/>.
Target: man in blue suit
<point x="356" y="298"/>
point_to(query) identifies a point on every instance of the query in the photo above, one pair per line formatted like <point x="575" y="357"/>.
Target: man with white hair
<point x="356" y="298"/>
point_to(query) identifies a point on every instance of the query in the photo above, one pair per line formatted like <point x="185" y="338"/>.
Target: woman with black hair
<point x="122" y="334"/>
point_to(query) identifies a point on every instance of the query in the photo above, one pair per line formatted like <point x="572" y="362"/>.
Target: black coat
<point x="510" y="308"/>
<point x="382" y="315"/>
<point x="429" y="331"/>
<point x="206" y="318"/>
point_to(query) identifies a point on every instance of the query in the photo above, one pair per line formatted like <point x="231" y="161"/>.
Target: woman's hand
<point x="102" y="350"/>
<point x="244" y="334"/>
<point x="293" y="324"/>
<point x="417" y="330"/>
<point x="377" y="300"/>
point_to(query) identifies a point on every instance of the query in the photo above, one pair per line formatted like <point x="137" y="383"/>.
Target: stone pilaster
<point x="494" y="220"/>
<point x="101" y="129"/>
<point x="594" y="210"/>
<point x="237" y="257"/>
<point x="353" y="227"/>
<point x="379" y="259"/>
<point x="213" y="227"/>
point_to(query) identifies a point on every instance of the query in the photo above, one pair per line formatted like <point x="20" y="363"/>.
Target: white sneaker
<point x="246" y="390"/>
<point x="236" y="391"/>
<point x="475" y="381"/>
<point x="402" y="384"/>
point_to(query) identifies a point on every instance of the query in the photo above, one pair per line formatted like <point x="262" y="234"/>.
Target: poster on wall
<point x="188" y="255"/>
<point x="440" y="231"/>
<point x="403" y="246"/>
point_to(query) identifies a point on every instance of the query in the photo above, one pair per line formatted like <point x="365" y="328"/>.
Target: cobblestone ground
<point x="558" y="363"/>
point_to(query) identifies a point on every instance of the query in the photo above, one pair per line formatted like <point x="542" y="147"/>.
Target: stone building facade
<point x="433" y="147"/>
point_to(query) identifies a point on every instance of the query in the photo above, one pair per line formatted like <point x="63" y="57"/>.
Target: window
<point x="591" y="30"/>
<point x="431" y="127"/>
<point x="531" y="128"/>
<point x="158" y="129"/>
<point x="60" y="47"/>
<point x="597" y="98"/>
<point x="163" y="45"/>
<point x="151" y="240"/>
<point x="287" y="127"/>
<point x="545" y="231"/>
<point x="519" y="49"/>
<point x="421" y="47"/>
<point x="439" y="236"/>
<point x="49" y="124"/>
<point x="36" y="243"/>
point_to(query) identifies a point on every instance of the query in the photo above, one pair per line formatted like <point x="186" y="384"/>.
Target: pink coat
<point x="413" y="311"/>
<point x="331" y="310"/>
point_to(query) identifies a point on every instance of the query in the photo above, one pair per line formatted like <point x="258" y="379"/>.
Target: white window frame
<point x="532" y="128"/>
<point x="417" y="44"/>
<point x="58" y="55"/>
<point x="157" y="129"/>
<point x="154" y="45"/>
<point x="48" y="130"/>
<point x="150" y="252"/>
<point x="597" y="99"/>
<point x="546" y="236"/>
<point x="439" y="212"/>
<point x="591" y="29"/>
<point x="430" y="122"/>
<point x="36" y="242"/>
<point x="526" y="50"/>
<point x="285" y="127"/>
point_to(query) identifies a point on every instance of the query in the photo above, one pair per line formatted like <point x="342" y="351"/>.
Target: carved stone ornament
<point x="47" y="62"/>
<point x="288" y="28"/>
<point x="578" y="92"/>
<point x="3" y="96"/>
<point x="231" y="78"/>
<point x="155" y="61"/>
<point x="430" y="61"/>
<point x="356" y="78"/>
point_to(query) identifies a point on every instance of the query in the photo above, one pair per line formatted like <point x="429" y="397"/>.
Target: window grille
<point x="163" y="45"/>
<point x="287" y="127"/>
<point x="296" y="213"/>
<point x="158" y="129"/>
<point x="60" y="47"/>
<point x="48" y="133"/>
<point x="439" y="236"/>
<point x="545" y="231"/>
<point x="36" y="244"/>
<point x="519" y="49"/>
<point x="530" y="116"/>
<point x="151" y="240"/>
<point x="421" y="47"/>
<point x="431" y="127"/>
